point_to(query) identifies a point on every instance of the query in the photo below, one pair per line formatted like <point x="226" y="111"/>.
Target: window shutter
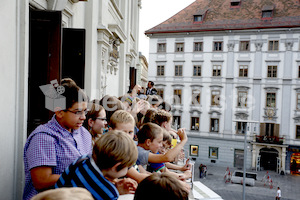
<point x="262" y="129"/>
<point x="276" y="130"/>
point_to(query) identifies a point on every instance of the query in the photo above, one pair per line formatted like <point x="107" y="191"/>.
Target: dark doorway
<point x="239" y="158"/>
<point x="132" y="78"/>
<point x="268" y="160"/>
<point x="73" y="55"/>
<point x="44" y="62"/>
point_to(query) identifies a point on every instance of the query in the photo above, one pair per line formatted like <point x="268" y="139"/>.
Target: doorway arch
<point x="268" y="159"/>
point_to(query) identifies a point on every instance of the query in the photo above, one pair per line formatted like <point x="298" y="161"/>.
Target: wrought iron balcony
<point x="269" y="139"/>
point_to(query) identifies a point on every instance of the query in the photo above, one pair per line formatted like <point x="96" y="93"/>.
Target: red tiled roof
<point x="221" y="16"/>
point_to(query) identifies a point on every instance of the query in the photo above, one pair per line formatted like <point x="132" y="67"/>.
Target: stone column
<point x="258" y="59"/>
<point x="254" y="156"/>
<point x="283" y="156"/>
<point x="230" y="59"/>
<point x="229" y="89"/>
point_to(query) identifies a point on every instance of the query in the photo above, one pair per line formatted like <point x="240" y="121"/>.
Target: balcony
<point x="269" y="139"/>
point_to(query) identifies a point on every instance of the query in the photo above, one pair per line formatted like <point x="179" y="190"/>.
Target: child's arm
<point x="134" y="174"/>
<point x="181" y="176"/>
<point x="171" y="154"/>
<point x="43" y="178"/>
<point x="185" y="167"/>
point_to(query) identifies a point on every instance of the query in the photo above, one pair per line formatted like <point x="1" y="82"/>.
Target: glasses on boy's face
<point x="101" y="118"/>
<point x="79" y="112"/>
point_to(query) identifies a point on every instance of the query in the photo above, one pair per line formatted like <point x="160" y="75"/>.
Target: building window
<point x="297" y="132"/>
<point x="160" y="92"/>
<point x="160" y="70"/>
<point x="215" y="97"/>
<point x="273" y="45"/>
<point x="298" y="101"/>
<point x="216" y="70"/>
<point x="197" y="70"/>
<point x="195" y="123"/>
<point x="198" y="46"/>
<point x="243" y="71"/>
<point x="179" y="47"/>
<point x="161" y="47"/>
<point x="178" y="70"/>
<point x="177" y="96"/>
<point x="218" y="46"/>
<point x="244" y="46"/>
<point x="298" y="71"/>
<point x="269" y="129"/>
<point x="176" y="122"/>
<point x="213" y="152"/>
<point x="241" y="127"/>
<point x="197" y="18"/>
<point x="267" y="14"/>
<point x="271" y="100"/>
<point x="242" y="99"/>
<point x="272" y="71"/>
<point x="214" y="125"/>
<point x="196" y="97"/>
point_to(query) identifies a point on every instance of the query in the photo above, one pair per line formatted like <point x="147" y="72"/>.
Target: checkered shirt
<point x="52" y="145"/>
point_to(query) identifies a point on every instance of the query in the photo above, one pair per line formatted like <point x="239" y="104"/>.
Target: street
<point x="289" y="185"/>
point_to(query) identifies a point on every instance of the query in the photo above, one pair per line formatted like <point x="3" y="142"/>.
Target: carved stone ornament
<point x="297" y="119"/>
<point x="242" y="116"/>
<point x="289" y="45"/>
<point x="230" y="46"/>
<point x="270" y="114"/>
<point x="258" y="46"/>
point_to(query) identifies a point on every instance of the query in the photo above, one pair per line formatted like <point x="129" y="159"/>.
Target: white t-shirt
<point x="278" y="193"/>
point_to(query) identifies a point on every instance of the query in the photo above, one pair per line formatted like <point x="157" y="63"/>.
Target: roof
<point x="221" y="16"/>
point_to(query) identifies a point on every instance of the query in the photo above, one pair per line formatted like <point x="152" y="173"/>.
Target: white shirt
<point x="278" y="193"/>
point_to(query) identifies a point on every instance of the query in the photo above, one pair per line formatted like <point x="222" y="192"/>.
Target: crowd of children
<point x="109" y="147"/>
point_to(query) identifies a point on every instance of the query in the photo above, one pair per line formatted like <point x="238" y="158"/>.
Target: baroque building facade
<point x="230" y="67"/>
<point x="42" y="41"/>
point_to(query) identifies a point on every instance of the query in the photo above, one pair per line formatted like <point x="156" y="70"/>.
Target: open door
<point x="73" y="55"/>
<point x="44" y="62"/>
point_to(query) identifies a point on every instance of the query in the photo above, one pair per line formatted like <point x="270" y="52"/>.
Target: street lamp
<point x="245" y="151"/>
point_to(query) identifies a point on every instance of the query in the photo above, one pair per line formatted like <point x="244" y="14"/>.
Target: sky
<point x="154" y="12"/>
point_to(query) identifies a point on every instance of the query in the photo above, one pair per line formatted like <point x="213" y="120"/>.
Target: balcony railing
<point x="269" y="139"/>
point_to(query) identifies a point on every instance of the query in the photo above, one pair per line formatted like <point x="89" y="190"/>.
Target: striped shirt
<point x="52" y="145"/>
<point x="85" y="173"/>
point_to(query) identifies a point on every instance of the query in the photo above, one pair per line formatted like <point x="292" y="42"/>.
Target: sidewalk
<point x="289" y="185"/>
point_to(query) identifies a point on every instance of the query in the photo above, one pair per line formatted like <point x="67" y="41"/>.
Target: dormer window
<point x="267" y="12"/>
<point x="235" y="3"/>
<point x="197" y="18"/>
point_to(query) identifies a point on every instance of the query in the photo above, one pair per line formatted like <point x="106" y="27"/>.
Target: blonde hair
<point x="149" y="131"/>
<point x="167" y="137"/>
<point x="119" y="117"/>
<point x="162" y="116"/>
<point x="73" y="193"/>
<point x="114" y="147"/>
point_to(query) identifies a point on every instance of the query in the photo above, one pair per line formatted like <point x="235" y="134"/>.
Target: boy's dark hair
<point x="160" y="187"/>
<point x="150" y="115"/>
<point x="151" y="83"/>
<point x="162" y="116"/>
<point x="165" y="106"/>
<point x="148" y="131"/>
<point x="73" y="94"/>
